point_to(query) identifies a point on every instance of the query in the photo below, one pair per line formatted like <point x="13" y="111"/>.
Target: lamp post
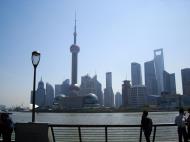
<point x="35" y="61"/>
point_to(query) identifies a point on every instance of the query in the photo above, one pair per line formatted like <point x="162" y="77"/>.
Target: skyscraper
<point x="172" y="83"/>
<point x="159" y="68"/>
<point x="150" y="78"/>
<point x="136" y="76"/>
<point x="108" y="91"/>
<point x="74" y="50"/>
<point x="166" y="80"/>
<point x="49" y="94"/>
<point x="185" y="75"/>
<point x="118" y="99"/>
<point x="40" y="94"/>
<point x="126" y="90"/>
<point x="108" y="80"/>
<point x="169" y="83"/>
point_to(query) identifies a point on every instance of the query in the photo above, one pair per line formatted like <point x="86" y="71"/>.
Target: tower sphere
<point x="75" y="87"/>
<point x="74" y="48"/>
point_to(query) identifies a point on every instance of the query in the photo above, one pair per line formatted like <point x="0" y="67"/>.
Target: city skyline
<point x="103" y="36"/>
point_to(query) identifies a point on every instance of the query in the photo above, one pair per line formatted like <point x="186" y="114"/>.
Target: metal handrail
<point x="79" y="126"/>
<point x="111" y="125"/>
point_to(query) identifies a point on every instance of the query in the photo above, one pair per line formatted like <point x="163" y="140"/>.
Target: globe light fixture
<point x="35" y="61"/>
<point x="35" y="58"/>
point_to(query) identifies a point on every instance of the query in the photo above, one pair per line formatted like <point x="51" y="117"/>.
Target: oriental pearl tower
<point x="74" y="50"/>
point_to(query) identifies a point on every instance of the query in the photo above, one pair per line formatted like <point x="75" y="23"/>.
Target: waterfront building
<point x="126" y="90"/>
<point x="169" y="101"/>
<point x="108" y="91"/>
<point x="138" y="96"/>
<point x="136" y="76"/>
<point x="75" y="102"/>
<point x="150" y="78"/>
<point x="118" y="99"/>
<point x="185" y="100"/>
<point x="49" y="94"/>
<point x="153" y="101"/>
<point x="185" y="75"/>
<point x="91" y="85"/>
<point x="74" y="49"/>
<point x="2" y="107"/>
<point x="169" y="83"/>
<point x="159" y="68"/>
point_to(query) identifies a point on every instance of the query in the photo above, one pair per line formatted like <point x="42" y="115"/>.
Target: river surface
<point x="94" y="118"/>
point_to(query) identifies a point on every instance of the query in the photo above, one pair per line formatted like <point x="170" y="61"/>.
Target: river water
<point x="94" y="118"/>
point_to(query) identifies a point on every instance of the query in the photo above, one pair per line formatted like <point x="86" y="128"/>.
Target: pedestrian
<point x="146" y="124"/>
<point x="181" y="127"/>
<point x="0" y="126"/>
<point x="6" y="127"/>
<point x="188" y="124"/>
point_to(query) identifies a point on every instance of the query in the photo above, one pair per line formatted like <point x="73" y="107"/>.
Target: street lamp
<point x="35" y="61"/>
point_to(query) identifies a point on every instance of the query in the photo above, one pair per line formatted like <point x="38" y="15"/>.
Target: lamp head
<point x="35" y="58"/>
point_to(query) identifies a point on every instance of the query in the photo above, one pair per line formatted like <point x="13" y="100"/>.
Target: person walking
<point x="181" y="127"/>
<point x="1" y="126"/>
<point x="146" y="124"/>
<point x="188" y="124"/>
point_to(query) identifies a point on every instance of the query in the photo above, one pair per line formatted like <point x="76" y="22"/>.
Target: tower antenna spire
<point x="74" y="50"/>
<point x="75" y="30"/>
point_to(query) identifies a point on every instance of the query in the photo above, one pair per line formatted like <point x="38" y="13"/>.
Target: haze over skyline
<point x="111" y="35"/>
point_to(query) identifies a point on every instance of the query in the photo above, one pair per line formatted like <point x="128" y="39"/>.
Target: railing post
<point x="52" y="133"/>
<point x="80" y="138"/>
<point x="154" y="135"/>
<point x="140" y="138"/>
<point x="106" y="134"/>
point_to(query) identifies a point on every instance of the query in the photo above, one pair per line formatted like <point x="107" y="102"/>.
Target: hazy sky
<point x="111" y="35"/>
